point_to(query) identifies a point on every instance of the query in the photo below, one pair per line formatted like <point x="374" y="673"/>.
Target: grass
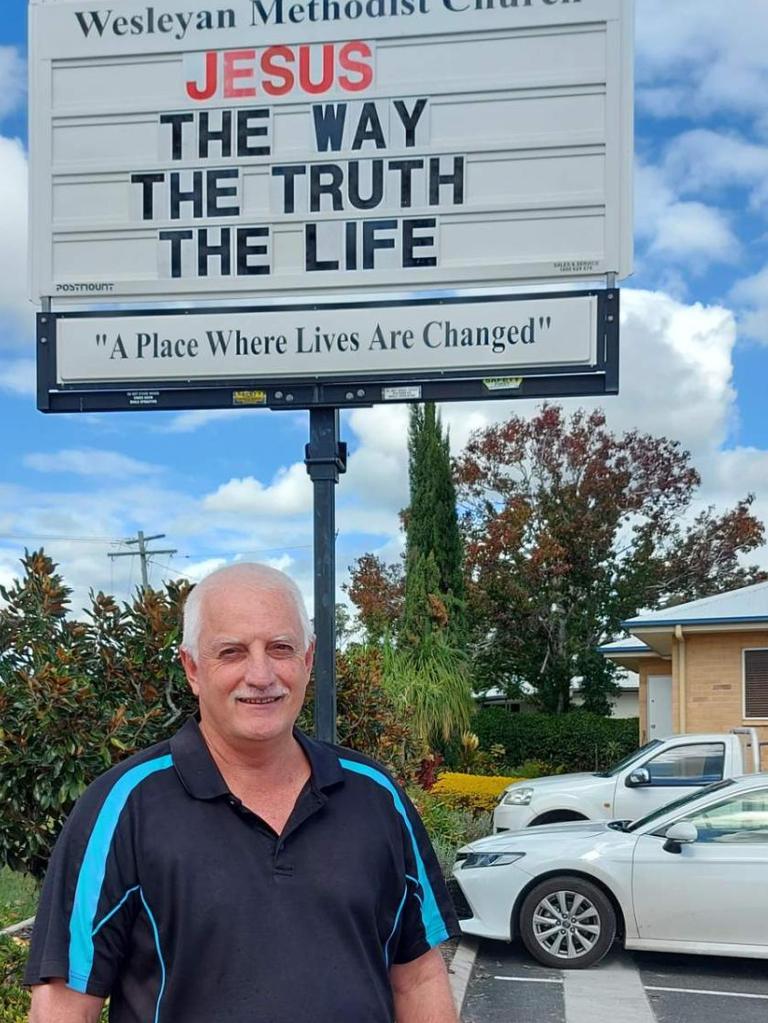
<point x="18" y="897"/>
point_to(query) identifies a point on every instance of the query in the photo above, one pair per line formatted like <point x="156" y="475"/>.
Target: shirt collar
<point x="201" y="777"/>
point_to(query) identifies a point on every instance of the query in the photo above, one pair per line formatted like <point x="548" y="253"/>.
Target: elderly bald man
<point x="242" y="871"/>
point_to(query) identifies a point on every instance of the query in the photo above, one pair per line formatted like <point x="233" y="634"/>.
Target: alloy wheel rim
<point x="566" y="924"/>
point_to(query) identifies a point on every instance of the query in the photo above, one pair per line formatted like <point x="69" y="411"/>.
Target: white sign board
<point x="294" y="146"/>
<point x="398" y="340"/>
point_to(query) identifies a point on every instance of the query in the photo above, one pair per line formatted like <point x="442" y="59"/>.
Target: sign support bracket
<point x="325" y="459"/>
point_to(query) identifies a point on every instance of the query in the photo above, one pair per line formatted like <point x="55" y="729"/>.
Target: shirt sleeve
<point x="89" y="899"/>
<point x="427" y="913"/>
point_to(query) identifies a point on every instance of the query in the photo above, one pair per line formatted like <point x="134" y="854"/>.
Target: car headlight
<point x="490" y="859"/>
<point x="518" y="797"/>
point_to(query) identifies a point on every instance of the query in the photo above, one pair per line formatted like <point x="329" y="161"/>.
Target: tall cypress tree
<point x="434" y="580"/>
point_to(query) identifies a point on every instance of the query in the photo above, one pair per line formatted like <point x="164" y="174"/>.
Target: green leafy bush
<point x="14" y="999"/>
<point x="75" y="697"/>
<point x="577" y="741"/>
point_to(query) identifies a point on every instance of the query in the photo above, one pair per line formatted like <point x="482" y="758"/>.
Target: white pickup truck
<point x="659" y="772"/>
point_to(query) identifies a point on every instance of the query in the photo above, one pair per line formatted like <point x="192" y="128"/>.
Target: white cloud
<point x="16" y="323"/>
<point x="688" y="232"/>
<point x="699" y="57"/>
<point x="289" y="494"/>
<point x="188" y="422"/>
<point x="708" y="161"/>
<point x="89" y="462"/>
<point x="752" y="294"/>
<point x="13" y="79"/>
<point x="19" y="376"/>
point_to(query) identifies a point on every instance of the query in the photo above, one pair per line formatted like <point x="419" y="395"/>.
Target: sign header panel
<point x="272" y="350"/>
<point x="279" y="147"/>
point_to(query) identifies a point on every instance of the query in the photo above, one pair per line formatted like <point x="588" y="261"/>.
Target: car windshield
<point x="629" y="760"/>
<point x="676" y="804"/>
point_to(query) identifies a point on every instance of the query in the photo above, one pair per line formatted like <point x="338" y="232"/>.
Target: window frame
<point x="744" y="651"/>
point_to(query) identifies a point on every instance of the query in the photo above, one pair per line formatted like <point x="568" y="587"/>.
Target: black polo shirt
<point x="169" y="895"/>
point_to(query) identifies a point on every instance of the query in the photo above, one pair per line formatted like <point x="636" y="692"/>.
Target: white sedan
<point x="689" y="877"/>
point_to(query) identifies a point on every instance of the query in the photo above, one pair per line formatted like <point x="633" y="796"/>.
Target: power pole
<point x="143" y="554"/>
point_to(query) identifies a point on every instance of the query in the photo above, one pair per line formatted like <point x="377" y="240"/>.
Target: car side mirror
<point x="678" y="835"/>
<point x="640" y="776"/>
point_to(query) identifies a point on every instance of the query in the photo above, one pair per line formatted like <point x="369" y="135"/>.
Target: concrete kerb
<point x="8" y="932"/>
<point x="460" y="969"/>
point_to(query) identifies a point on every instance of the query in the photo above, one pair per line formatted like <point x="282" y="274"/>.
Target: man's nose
<point x="258" y="668"/>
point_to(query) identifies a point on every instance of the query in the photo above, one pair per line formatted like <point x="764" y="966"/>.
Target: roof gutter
<point x="681" y="683"/>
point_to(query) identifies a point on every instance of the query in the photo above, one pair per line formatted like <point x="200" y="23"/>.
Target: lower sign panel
<point x="341" y="354"/>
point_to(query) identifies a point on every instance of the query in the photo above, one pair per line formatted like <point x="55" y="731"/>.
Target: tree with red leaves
<point x="569" y="529"/>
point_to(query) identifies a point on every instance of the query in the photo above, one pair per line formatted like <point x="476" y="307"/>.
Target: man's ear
<point x="190" y="670"/>
<point x="309" y="656"/>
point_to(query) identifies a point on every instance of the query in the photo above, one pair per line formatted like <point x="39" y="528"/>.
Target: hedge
<point x="577" y="741"/>
<point x="480" y="792"/>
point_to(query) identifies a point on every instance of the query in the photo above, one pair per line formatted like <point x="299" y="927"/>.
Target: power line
<point x="62" y="539"/>
<point x="143" y="553"/>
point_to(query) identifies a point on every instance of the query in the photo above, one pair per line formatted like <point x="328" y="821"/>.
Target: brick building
<point x="702" y="666"/>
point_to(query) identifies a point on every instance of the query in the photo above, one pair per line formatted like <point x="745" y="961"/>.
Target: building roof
<point x="747" y="604"/>
<point x="630" y="645"/>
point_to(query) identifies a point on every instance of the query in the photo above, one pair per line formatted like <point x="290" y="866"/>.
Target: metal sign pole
<point x="325" y="459"/>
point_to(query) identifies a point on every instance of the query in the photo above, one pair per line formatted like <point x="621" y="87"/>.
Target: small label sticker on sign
<point x="503" y="383"/>
<point x="143" y="397"/>
<point x="401" y="393"/>
<point x="249" y="397"/>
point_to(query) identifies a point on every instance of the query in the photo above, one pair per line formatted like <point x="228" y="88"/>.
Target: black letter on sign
<point x="246" y="131"/>
<point x="245" y="249"/>
<point x="369" y="128"/>
<point x="175" y="238"/>
<point x="289" y="192"/>
<point x="371" y="242"/>
<point x="195" y="196"/>
<point x="436" y="179"/>
<point x="410" y="120"/>
<point x="215" y="192"/>
<point x="377" y="185"/>
<point x="410" y="242"/>
<point x="313" y="263"/>
<point x="147" y="181"/>
<point x="205" y="252"/>
<point x="176" y="121"/>
<point x="406" y="168"/>
<point x="329" y="125"/>
<point x="318" y="188"/>
<point x="206" y="134"/>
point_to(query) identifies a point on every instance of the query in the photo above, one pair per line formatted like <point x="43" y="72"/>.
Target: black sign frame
<point x="326" y="391"/>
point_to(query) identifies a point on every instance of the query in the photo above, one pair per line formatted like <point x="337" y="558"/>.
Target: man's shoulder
<point x="122" y="778"/>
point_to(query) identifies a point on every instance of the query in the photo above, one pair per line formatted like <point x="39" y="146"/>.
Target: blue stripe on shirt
<point x="93" y="868"/>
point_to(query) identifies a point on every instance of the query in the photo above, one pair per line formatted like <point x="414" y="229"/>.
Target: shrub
<point x="577" y="741"/>
<point x="476" y="792"/>
<point x="14" y="999"/>
<point x="76" y="697"/>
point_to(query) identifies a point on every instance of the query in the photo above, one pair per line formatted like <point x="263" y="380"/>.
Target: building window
<point x="756" y="683"/>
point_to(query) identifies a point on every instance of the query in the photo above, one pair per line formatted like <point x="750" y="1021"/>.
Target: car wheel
<point x="567" y="923"/>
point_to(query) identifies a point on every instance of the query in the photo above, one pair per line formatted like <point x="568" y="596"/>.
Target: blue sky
<point x="232" y="484"/>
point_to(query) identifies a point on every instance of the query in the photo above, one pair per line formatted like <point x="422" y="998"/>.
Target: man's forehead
<point x="244" y="606"/>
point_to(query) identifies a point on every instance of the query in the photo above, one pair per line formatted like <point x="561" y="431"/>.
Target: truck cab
<point x="653" y="775"/>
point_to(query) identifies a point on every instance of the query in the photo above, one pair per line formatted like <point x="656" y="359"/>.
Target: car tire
<point x="567" y="923"/>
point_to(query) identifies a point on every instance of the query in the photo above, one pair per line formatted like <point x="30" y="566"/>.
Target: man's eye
<point x="281" y="650"/>
<point x="229" y="651"/>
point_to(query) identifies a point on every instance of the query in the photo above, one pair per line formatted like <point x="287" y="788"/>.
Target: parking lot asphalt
<point x="507" y="986"/>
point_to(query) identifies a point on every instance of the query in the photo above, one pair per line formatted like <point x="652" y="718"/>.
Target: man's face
<point x="251" y="671"/>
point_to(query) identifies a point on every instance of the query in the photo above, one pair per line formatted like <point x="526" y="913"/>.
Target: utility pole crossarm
<point x="143" y="553"/>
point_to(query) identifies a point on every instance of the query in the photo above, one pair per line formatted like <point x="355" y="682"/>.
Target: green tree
<point x="570" y="529"/>
<point x="434" y="574"/>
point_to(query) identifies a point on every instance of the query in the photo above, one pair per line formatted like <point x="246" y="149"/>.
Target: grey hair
<point x="262" y="576"/>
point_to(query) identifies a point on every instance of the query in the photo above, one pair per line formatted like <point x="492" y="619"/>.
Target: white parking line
<point x="531" y="980"/>
<point x="704" y="991"/>
<point x="594" y="996"/>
